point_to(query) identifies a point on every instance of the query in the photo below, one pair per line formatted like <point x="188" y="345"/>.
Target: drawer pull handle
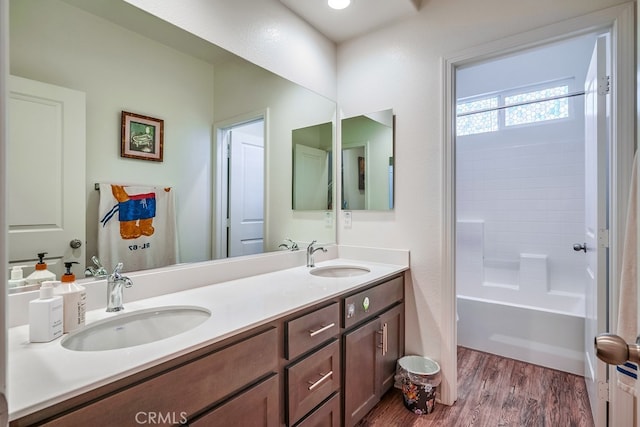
<point x="320" y="381"/>
<point x="323" y="328"/>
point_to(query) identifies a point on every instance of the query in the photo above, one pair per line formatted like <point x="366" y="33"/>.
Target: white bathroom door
<point x="246" y="194"/>
<point x="311" y="180"/>
<point x="45" y="174"/>
<point x="596" y="233"/>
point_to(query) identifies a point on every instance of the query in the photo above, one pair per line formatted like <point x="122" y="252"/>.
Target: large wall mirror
<point x="313" y="167"/>
<point x="367" y="161"/>
<point x="124" y="59"/>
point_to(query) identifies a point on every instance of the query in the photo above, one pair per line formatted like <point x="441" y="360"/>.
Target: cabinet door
<point x="361" y="384"/>
<point x="392" y="323"/>
<point x="256" y="407"/>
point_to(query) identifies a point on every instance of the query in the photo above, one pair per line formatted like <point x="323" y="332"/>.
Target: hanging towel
<point x="628" y="307"/>
<point x="137" y="226"/>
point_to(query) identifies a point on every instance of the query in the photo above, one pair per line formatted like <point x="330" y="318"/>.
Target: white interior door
<point x="45" y="174"/>
<point x="311" y="178"/>
<point x="596" y="235"/>
<point x="246" y="193"/>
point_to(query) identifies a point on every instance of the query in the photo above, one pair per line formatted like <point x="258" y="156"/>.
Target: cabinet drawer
<point x="327" y="415"/>
<point x="256" y="407"/>
<point x="365" y="304"/>
<point x="185" y="390"/>
<point x="311" y="380"/>
<point x="311" y="330"/>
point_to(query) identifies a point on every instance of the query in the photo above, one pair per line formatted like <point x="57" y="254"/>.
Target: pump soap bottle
<point x="17" y="277"/>
<point x="41" y="273"/>
<point x="45" y="315"/>
<point x="74" y="298"/>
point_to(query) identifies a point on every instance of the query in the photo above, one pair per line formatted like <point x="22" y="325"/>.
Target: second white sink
<point x="339" y="271"/>
<point x="136" y="328"/>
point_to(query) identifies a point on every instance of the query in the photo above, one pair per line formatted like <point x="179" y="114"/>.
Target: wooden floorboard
<point x="496" y="391"/>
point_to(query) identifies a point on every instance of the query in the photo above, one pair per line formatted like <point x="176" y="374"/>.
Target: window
<point x="512" y="108"/>
<point x="487" y="121"/>
<point x="538" y="111"/>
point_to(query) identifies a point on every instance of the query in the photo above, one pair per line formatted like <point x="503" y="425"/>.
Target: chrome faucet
<point x="99" y="272"/>
<point x="289" y="244"/>
<point x="115" y="284"/>
<point x="310" y="251"/>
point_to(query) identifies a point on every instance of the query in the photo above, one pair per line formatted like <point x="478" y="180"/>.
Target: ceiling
<point x="359" y="18"/>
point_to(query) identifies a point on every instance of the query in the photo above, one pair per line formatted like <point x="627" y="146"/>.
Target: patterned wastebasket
<point x="418" y="377"/>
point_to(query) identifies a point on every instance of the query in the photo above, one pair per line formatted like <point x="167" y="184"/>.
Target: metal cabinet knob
<point x="613" y="350"/>
<point x="75" y="243"/>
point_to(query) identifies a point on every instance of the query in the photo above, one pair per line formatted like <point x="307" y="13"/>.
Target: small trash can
<point x="418" y="377"/>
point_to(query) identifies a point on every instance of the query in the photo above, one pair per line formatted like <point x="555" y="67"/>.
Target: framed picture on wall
<point x="142" y="137"/>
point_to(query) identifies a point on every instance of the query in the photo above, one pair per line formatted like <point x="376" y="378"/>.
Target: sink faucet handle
<point x="311" y="244"/>
<point x="118" y="269"/>
<point x="96" y="261"/>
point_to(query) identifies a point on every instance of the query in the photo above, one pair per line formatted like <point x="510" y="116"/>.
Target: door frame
<point x="620" y="22"/>
<point x="220" y="176"/>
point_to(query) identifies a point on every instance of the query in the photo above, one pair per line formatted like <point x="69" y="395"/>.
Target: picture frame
<point x="142" y="137"/>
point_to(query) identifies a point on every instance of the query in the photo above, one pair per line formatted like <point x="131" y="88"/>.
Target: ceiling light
<point x="339" y="4"/>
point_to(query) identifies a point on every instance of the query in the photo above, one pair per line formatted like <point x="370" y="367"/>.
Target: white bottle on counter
<point x="74" y="299"/>
<point x="17" y="277"/>
<point x="45" y="315"/>
<point x="41" y="273"/>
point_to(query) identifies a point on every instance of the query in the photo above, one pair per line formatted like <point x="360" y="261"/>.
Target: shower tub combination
<point x="507" y="307"/>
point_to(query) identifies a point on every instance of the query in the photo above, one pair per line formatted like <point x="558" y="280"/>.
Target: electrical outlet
<point x="328" y="219"/>
<point x="347" y="219"/>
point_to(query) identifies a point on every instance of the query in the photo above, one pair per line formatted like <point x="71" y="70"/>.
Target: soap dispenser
<point x="17" y="277"/>
<point x="74" y="299"/>
<point x="45" y="315"/>
<point x="41" y="273"/>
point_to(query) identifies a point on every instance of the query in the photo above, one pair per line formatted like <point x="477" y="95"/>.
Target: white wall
<point x="404" y="65"/>
<point x="264" y="32"/>
<point x="105" y="61"/>
<point x="240" y="88"/>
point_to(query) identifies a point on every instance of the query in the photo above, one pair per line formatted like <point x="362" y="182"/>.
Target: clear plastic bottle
<point x="41" y="273"/>
<point x="75" y="299"/>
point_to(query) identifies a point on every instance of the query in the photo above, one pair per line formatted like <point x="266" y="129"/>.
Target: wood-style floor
<point x="496" y="391"/>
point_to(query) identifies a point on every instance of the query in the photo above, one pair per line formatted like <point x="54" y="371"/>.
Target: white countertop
<point x="40" y="375"/>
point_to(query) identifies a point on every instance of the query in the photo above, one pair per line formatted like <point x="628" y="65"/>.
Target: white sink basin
<point x="136" y="328"/>
<point x="339" y="271"/>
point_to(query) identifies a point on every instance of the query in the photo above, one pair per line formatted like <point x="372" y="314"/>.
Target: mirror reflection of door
<point x="312" y="167"/>
<point x="354" y="178"/>
<point x="46" y="195"/>
<point x="245" y="195"/>
<point x="311" y="175"/>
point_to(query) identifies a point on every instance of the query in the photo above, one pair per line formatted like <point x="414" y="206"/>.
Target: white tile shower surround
<point x="529" y="192"/>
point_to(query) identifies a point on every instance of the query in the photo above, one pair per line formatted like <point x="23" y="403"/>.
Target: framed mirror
<point x="313" y="167"/>
<point x="367" y="161"/>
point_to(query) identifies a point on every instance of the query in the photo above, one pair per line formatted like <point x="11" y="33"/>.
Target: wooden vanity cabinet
<point x="315" y="372"/>
<point x="186" y="391"/>
<point x="372" y="347"/>
<point x="324" y="366"/>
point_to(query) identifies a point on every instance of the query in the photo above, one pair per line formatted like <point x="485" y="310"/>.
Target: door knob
<point x="613" y="350"/>
<point x="75" y="243"/>
<point x="580" y="247"/>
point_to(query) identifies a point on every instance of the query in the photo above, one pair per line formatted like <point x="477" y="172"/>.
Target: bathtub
<point x="550" y="338"/>
<point x="517" y="306"/>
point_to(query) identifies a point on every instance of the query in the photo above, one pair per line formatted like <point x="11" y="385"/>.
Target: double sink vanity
<point x="262" y="341"/>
